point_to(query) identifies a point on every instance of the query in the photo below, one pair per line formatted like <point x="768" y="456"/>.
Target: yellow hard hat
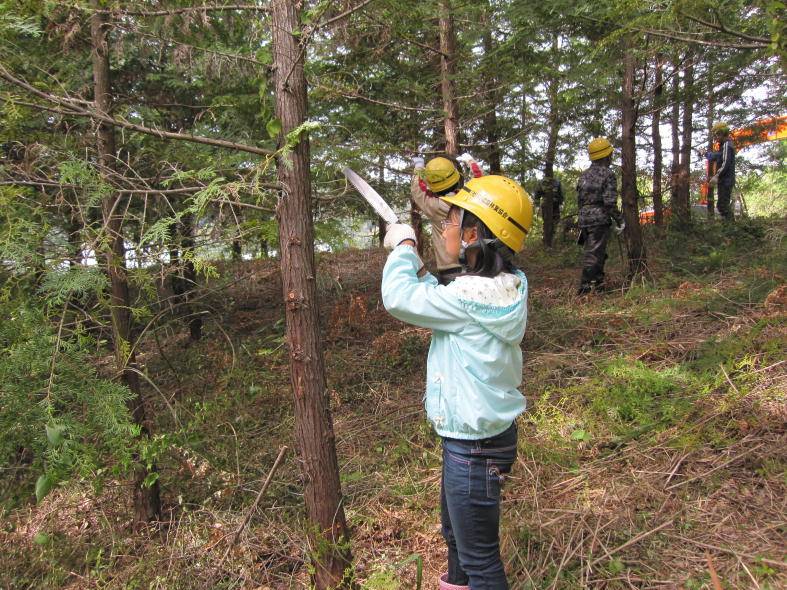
<point x="599" y="148"/>
<point x="440" y="174"/>
<point x="721" y="127"/>
<point x="504" y="207"/>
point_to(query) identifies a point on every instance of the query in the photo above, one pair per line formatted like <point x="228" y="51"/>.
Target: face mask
<point x="463" y="252"/>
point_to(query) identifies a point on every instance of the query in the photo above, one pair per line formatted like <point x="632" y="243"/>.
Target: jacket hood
<point x="498" y="304"/>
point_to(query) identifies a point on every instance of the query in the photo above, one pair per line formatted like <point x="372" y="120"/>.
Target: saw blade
<point x="372" y="196"/>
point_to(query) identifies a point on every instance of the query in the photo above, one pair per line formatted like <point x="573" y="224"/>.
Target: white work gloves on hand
<point x="418" y="162"/>
<point x="466" y="159"/>
<point x="396" y="233"/>
<point x="618" y="229"/>
<point x="714" y="180"/>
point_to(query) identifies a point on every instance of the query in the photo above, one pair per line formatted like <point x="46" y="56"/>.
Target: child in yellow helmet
<point x="474" y="366"/>
<point x="439" y="177"/>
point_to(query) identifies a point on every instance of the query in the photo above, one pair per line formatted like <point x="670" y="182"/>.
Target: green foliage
<point x="12" y="22"/>
<point x="385" y="577"/>
<point x="764" y="193"/>
<point x="633" y="395"/>
<point x="84" y="175"/>
<point x="382" y="579"/>
<point x="77" y="283"/>
<point x="273" y="127"/>
<point x="73" y="423"/>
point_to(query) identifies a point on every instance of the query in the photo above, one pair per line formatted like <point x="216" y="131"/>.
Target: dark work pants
<point x="473" y="473"/>
<point x="595" y="255"/>
<point x="724" y="201"/>
<point x="555" y="212"/>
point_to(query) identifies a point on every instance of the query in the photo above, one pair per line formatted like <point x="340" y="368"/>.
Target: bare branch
<point x="187" y="9"/>
<point x="105" y="118"/>
<point x="356" y="95"/>
<point x="669" y="35"/>
<point x="720" y="27"/>
<point x="236" y="56"/>
<point x="412" y="41"/>
<point x="53" y="184"/>
<point x="343" y="15"/>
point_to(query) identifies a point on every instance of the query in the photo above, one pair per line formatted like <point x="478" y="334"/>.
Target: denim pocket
<point x="457" y="472"/>
<point x="495" y="477"/>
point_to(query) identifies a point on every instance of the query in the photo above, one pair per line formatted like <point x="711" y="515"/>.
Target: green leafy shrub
<point x="58" y="418"/>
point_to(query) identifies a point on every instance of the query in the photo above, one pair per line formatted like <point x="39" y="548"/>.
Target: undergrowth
<point x="660" y="405"/>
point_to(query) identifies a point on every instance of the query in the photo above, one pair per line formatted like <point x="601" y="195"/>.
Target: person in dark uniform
<point x="724" y="178"/>
<point x="597" y="197"/>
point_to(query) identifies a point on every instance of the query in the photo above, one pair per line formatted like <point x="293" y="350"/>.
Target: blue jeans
<point x="473" y="473"/>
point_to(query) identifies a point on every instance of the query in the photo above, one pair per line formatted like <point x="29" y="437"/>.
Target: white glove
<point x="396" y="233"/>
<point x="466" y="159"/>
<point x="418" y="162"/>
<point x="714" y="180"/>
<point x="618" y="229"/>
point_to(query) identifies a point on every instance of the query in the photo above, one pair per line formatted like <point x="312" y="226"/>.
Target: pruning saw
<point x="372" y="196"/>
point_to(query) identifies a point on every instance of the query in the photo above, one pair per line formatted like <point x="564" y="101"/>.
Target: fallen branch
<point x="707" y="473"/>
<point x="253" y="507"/>
<point x="633" y="541"/>
<point x="737" y="554"/>
<point x="714" y="577"/>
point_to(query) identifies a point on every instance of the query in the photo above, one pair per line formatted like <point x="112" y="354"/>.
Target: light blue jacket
<point x="474" y="366"/>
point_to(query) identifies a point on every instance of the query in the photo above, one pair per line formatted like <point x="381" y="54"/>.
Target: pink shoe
<point x="444" y="585"/>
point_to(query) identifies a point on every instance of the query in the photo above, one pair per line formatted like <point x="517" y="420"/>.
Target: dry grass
<point x="698" y="497"/>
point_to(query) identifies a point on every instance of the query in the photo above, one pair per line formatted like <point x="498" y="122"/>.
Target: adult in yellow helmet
<point x="724" y="161"/>
<point x="440" y="177"/>
<point x="474" y="366"/>
<point x="597" y="197"/>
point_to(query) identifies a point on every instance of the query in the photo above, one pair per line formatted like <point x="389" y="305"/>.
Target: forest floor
<point x="654" y="453"/>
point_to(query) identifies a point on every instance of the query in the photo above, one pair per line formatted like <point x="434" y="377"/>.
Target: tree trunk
<point x="710" y="167"/>
<point x="628" y="112"/>
<point x="184" y="276"/>
<point x="447" y="73"/>
<point x="684" y="212"/>
<point x="381" y="225"/>
<point x="548" y="203"/>
<point x="658" y="91"/>
<point x="190" y="278"/>
<point x="490" y="117"/>
<point x="675" y="135"/>
<point x="237" y="249"/>
<point x="75" y="231"/>
<point x="416" y="222"/>
<point x="147" y="504"/>
<point x="327" y="529"/>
